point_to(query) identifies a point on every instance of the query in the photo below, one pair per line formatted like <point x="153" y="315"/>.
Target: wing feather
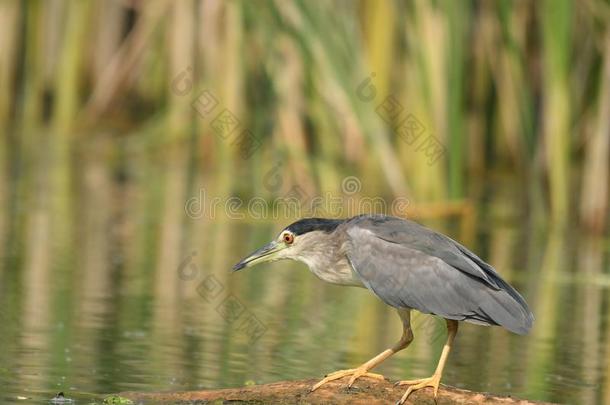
<point x="409" y="266"/>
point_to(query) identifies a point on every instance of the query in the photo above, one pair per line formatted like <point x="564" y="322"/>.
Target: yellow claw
<point x="415" y="385"/>
<point x="354" y="372"/>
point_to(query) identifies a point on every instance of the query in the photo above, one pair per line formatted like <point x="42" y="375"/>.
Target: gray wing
<point x="407" y="265"/>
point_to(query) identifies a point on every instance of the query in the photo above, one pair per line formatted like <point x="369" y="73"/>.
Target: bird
<point x="407" y="266"/>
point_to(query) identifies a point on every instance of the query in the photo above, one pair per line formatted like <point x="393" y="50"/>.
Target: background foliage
<point x="517" y="87"/>
<point x="110" y="127"/>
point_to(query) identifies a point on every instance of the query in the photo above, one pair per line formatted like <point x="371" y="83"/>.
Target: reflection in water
<point x="109" y="306"/>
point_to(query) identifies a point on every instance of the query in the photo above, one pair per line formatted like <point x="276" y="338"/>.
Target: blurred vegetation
<point x="519" y="87"/>
<point x="103" y="141"/>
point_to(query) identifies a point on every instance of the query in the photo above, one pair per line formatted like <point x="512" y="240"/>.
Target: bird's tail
<point x="504" y="307"/>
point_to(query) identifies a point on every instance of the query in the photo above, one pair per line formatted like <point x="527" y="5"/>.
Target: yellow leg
<point x="435" y="380"/>
<point x="363" y="370"/>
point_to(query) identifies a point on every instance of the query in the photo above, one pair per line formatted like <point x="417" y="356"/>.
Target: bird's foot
<point x="415" y="385"/>
<point x="354" y="372"/>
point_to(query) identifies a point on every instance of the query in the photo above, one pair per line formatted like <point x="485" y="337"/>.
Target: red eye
<point x="288" y="238"/>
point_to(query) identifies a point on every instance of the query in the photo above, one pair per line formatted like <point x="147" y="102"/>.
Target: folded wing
<point x="408" y="265"/>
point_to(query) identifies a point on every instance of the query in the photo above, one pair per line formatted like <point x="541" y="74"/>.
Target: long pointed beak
<point x="264" y="254"/>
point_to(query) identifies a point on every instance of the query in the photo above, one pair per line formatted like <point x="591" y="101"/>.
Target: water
<point x="135" y="295"/>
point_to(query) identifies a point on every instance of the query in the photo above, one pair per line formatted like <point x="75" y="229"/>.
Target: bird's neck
<point x="325" y="259"/>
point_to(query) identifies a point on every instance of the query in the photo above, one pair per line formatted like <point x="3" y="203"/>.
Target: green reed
<point x="510" y="86"/>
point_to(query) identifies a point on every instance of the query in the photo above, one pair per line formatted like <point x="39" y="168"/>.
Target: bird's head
<point x="298" y="241"/>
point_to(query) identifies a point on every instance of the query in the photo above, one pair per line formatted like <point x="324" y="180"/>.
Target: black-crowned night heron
<point x="408" y="267"/>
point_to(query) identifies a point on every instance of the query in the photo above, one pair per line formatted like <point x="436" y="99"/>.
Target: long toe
<point x="415" y="385"/>
<point x="411" y="382"/>
<point x="355" y="373"/>
<point x="359" y="374"/>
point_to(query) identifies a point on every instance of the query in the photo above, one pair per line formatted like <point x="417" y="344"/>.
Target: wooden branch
<point x="365" y="391"/>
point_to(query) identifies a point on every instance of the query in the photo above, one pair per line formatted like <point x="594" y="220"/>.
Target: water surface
<point x="138" y="296"/>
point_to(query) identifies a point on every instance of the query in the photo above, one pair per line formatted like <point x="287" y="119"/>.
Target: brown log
<point x="365" y="391"/>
